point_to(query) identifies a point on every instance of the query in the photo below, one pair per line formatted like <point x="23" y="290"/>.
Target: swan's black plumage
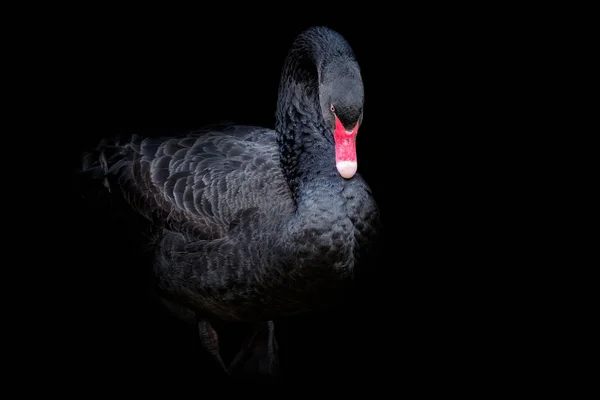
<point x="254" y="223"/>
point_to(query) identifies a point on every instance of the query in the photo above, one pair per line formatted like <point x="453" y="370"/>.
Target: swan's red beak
<point x="345" y="149"/>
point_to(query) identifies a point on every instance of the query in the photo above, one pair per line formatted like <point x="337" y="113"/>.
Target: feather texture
<point x="253" y="223"/>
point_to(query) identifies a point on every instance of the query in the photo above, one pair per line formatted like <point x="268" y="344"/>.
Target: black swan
<point x="252" y="224"/>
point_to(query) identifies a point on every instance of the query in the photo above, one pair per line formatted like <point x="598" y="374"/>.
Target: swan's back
<point x="201" y="183"/>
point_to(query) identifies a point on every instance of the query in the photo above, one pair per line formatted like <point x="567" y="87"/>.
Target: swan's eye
<point x="332" y="108"/>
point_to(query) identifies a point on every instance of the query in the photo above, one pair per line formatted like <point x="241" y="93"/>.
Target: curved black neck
<point x="306" y="142"/>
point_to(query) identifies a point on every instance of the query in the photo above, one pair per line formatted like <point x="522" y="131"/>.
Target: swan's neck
<point x="302" y="132"/>
<point x="306" y="152"/>
<point x="306" y="143"/>
<point x="321" y="226"/>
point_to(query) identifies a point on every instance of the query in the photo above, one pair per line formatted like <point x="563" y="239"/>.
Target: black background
<point x="437" y="118"/>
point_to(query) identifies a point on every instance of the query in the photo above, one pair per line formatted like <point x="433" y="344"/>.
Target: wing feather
<point x="202" y="183"/>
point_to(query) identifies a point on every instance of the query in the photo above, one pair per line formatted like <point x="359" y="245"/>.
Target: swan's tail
<point x="107" y="158"/>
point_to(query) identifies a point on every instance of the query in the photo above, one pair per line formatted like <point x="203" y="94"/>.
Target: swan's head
<point x="342" y="98"/>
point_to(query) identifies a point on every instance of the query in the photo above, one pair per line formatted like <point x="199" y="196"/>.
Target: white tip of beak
<point x="347" y="169"/>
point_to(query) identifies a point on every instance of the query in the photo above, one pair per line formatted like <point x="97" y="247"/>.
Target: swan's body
<point x="253" y="223"/>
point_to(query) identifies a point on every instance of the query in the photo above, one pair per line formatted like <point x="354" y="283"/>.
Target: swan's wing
<point x="202" y="183"/>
